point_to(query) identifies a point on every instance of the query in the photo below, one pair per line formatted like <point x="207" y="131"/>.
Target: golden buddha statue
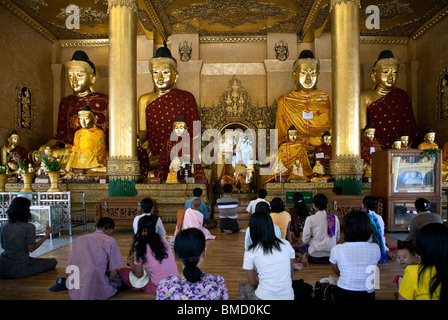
<point x="89" y="145"/>
<point x="396" y="144"/>
<point x="81" y="74"/>
<point x="289" y="153"/>
<point x="157" y="110"/>
<point x="307" y="108"/>
<point x="405" y="141"/>
<point x="445" y="162"/>
<point x="384" y="106"/>
<point x="322" y="153"/>
<point x="13" y="150"/>
<point x="428" y="142"/>
<point x="319" y="173"/>
<point x="179" y="145"/>
<point x="369" y="145"/>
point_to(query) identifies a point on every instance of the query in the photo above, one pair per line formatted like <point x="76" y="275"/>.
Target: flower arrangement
<point x="187" y="163"/>
<point x="15" y="157"/>
<point x="3" y="169"/>
<point x="48" y="164"/>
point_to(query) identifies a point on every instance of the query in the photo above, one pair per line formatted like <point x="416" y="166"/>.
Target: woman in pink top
<point x="152" y="252"/>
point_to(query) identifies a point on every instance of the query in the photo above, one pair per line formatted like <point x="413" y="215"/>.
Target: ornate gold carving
<point x="429" y="24"/>
<point x="333" y="3"/>
<point x="281" y="51"/>
<point x="123" y="167"/>
<point x="391" y="10"/>
<point x="442" y="95"/>
<point x="384" y="40"/>
<point x="236" y="39"/>
<point x="131" y="4"/>
<point x="346" y="166"/>
<point x="25" y="111"/>
<point x="185" y="52"/>
<point x="84" y="43"/>
<point x="87" y="16"/>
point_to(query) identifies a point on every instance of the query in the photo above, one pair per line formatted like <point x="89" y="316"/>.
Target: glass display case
<point x="399" y="177"/>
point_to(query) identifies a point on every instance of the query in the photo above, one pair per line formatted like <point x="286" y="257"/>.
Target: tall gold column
<point x="346" y="165"/>
<point x="123" y="165"/>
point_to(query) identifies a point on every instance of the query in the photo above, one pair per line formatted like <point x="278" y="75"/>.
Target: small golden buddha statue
<point x="89" y="145"/>
<point x="445" y="162"/>
<point x="319" y="173"/>
<point x="369" y="145"/>
<point x="157" y="110"/>
<point x="306" y="107"/>
<point x="81" y="74"/>
<point x="323" y="152"/>
<point x="291" y="152"/>
<point x="428" y="142"/>
<point x="385" y="99"/>
<point x="12" y="150"/>
<point x="405" y="141"/>
<point x="396" y="144"/>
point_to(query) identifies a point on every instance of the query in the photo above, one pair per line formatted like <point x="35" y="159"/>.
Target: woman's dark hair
<point x="146" y="205"/>
<point x="299" y="204"/>
<point x="147" y="235"/>
<point x="320" y="201"/>
<point x="19" y="210"/>
<point x="262" y="230"/>
<point x="421" y="204"/>
<point x="277" y="205"/>
<point x="370" y="202"/>
<point x="189" y="246"/>
<point x="431" y="244"/>
<point x="357" y="226"/>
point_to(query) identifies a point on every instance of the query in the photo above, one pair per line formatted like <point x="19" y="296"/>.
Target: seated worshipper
<point x="405" y="141"/>
<point x="281" y="218"/>
<point x="370" y="206"/>
<point x="305" y="107"/>
<point x="150" y="258"/>
<point x="97" y="257"/>
<point x="81" y="75"/>
<point x="147" y="207"/>
<point x="197" y="193"/>
<point x="189" y="247"/>
<point x="264" y="208"/>
<point x="320" y="234"/>
<point x="352" y="259"/>
<point x="261" y="197"/>
<point x="369" y="145"/>
<point x="18" y="238"/>
<point x="428" y="142"/>
<point x="180" y="144"/>
<point x="387" y="108"/>
<point x="13" y="152"/>
<point x="299" y="212"/>
<point x="268" y="262"/>
<point x="193" y="218"/>
<point x="288" y="152"/>
<point x="424" y="216"/>
<point x="89" y="145"/>
<point x="323" y="152"/>
<point x="228" y="210"/>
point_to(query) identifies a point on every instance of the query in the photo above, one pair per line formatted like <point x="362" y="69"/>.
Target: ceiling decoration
<point x="158" y="19"/>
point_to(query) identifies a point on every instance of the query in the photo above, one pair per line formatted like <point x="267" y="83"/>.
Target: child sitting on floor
<point x="405" y="256"/>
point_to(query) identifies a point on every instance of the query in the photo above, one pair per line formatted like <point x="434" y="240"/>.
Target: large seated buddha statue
<point x="292" y="154"/>
<point x="81" y="74"/>
<point x="157" y="110"/>
<point x="89" y="145"/>
<point x="179" y="145"/>
<point x="387" y="108"/>
<point x="306" y="107"/>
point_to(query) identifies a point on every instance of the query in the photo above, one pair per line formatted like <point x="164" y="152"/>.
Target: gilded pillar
<point x="346" y="165"/>
<point x="123" y="165"/>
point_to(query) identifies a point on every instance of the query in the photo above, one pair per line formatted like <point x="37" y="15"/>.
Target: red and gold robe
<point x="323" y="154"/>
<point x="309" y="112"/>
<point x="68" y="121"/>
<point x="390" y="116"/>
<point x="162" y="113"/>
<point x="367" y="148"/>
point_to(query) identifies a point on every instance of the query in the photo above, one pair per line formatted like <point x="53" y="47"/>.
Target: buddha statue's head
<point x="163" y="69"/>
<point x="306" y="71"/>
<point x="86" y="117"/>
<point x="369" y="132"/>
<point x="430" y="135"/>
<point x="81" y="73"/>
<point x="292" y="134"/>
<point x="385" y="70"/>
<point x="14" y="139"/>
<point x="396" y="144"/>
<point x="326" y="138"/>
<point x="179" y="126"/>
<point x="404" y="140"/>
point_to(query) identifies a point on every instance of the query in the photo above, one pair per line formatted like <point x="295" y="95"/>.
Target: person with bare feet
<point x="228" y="211"/>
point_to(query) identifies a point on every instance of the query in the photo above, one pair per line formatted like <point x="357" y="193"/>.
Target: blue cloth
<point x="203" y="208"/>
<point x="377" y="236"/>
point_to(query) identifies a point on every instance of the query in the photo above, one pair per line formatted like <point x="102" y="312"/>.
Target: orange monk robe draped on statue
<point x="89" y="149"/>
<point x="288" y="152"/>
<point x="390" y="116"/>
<point x="309" y="112"/>
<point x="68" y="121"/>
<point x="162" y="113"/>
